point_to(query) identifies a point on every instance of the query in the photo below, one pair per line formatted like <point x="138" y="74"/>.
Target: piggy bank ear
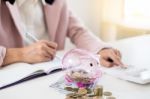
<point x="71" y="59"/>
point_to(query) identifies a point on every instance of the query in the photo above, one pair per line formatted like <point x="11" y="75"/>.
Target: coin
<point x="70" y="94"/>
<point x="75" y="96"/>
<point x="89" y="91"/>
<point x="82" y="91"/>
<point x="98" y="90"/>
<point x="83" y="97"/>
<point x="75" y="89"/>
<point x="68" y="88"/>
<point x="110" y="97"/>
<point x="98" y="97"/>
<point x="91" y="95"/>
<point x="76" y="74"/>
<point x="69" y="98"/>
<point x="79" y="95"/>
<point x="107" y="93"/>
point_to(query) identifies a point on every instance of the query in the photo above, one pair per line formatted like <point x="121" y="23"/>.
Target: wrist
<point x="13" y="55"/>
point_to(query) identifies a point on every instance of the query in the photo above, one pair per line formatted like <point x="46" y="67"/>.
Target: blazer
<point x="60" y="21"/>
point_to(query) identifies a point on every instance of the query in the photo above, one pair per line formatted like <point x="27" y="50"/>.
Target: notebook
<point x="20" y="72"/>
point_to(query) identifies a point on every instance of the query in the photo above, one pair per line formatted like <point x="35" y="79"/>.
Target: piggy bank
<point x="82" y="68"/>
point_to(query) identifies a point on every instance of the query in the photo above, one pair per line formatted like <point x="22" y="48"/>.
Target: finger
<point x="119" y="56"/>
<point x="46" y="58"/>
<point x="111" y="61"/>
<point x="116" y="59"/>
<point x="45" y="54"/>
<point x="118" y="53"/>
<point x="51" y="52"/>
<point x="50" y="44"/>
<point x="106" y="63"/>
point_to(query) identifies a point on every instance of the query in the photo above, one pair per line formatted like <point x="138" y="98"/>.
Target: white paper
<point x="17" y="71"/>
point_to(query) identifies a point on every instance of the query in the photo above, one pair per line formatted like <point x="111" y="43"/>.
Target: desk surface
<point x="39" y="88"/>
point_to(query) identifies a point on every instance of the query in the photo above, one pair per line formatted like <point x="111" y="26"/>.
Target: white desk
<point x="39" y="88"/>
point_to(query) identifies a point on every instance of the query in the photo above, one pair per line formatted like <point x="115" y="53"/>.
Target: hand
<point x="110" y="57"/>
<point x="35" y="53"/>
<point x="39" y="52"/>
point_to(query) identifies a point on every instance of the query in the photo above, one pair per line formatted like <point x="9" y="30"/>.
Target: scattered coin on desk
<point x="69" y="88"/>
<point x="110" y="97"/>
<point x="88" y="93"/>
<point x="107" y="93"/>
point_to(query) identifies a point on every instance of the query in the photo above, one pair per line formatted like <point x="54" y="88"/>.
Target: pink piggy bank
<point x="82" y="68"/>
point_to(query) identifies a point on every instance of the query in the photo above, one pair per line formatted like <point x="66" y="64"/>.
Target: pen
<point x="33" y="38"/>
<point x="111" y="61"/>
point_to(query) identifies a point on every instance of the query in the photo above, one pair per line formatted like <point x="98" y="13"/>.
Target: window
<point x="137" y="10"/>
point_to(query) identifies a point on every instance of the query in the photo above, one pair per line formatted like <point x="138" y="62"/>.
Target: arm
<point x="40" y="51"/>
<point x="82" y="37"/>
<point x="2" y="54"/>
<point x="12" y="55"/>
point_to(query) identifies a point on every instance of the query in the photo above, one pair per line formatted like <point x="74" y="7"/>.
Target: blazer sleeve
<point x="82" y="37"/>
<point x="2" y="54"/>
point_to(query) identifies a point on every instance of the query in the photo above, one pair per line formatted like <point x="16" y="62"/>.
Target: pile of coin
<point x="79" y="75"/>
<point x="87" y="93"/>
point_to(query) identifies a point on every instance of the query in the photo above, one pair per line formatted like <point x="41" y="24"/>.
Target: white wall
<point x="88" y="11"/>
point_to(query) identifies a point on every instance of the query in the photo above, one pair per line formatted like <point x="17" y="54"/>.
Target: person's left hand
<point x="110" y="57"/>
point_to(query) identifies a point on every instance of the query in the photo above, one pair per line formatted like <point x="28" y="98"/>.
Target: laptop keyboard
<point x="129" y="73"/>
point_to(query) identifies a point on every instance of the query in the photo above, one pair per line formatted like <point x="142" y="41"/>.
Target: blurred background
<point x="113" y="20"/>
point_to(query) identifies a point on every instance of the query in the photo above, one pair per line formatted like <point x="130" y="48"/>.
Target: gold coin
<point x="98" y="97"/>
<point x="69" y="98"/>
<point x="98" y="90"/>
<point x="82" y="91"/>
<point x="107" y="93"/>
<point x="91" y="95"/>
<point x="77" y="75"/>
<point x="75" y="96"/>
<point x="75" y="89"/>
<point x="69" y="88"/>
<point x="70" y="94"/>
<point x="89" y="91"/>
<point x="110" y="97"/>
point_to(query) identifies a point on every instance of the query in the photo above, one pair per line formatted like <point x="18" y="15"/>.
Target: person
<point x="52" y="21"/>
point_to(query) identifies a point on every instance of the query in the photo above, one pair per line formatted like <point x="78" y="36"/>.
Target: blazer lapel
<point x="51" y="12"/>
<point x="52" y="17"/>
<point x="16" y="17"/>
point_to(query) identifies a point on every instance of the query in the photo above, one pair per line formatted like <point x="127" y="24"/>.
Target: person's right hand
<point x="39" y="52"/>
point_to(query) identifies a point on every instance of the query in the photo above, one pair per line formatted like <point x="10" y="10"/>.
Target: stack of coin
<point x="98" y="90"/>
<point x="87" y="93"/>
